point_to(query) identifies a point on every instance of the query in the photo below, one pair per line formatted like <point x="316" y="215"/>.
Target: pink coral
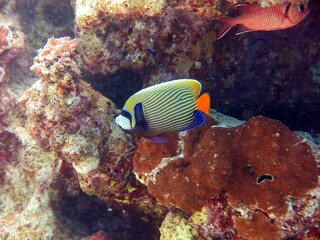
<point x="57" y="56"/>
<point x="101" y="235"/>
<point x="66" y="103"/>
<point x="11" y="43"/>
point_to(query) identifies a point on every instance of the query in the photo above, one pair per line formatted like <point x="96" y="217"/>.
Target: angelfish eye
<point x="300" y="8"/>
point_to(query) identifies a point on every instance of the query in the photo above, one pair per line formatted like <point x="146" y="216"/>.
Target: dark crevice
<point x="118" y="87"/>
<point x="265" y="177"/>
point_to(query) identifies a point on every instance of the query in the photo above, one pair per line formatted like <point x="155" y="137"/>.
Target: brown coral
<point x="187" y="171"/>
<point x="262" y="157"/>
<point x="272" y="163"/>
<point x="257" y="227"/>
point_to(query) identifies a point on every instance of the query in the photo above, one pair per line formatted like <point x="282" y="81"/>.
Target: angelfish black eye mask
<point x="126" y="114"/>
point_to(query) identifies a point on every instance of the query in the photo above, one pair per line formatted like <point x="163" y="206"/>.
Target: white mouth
<point x="123" y="122"/>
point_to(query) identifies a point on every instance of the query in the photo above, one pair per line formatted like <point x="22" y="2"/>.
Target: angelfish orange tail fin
<point x="227" y="24"/>
<point x="203" y="103"/>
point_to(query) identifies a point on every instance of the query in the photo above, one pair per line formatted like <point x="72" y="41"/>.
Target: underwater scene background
<point x="69" y="171"/>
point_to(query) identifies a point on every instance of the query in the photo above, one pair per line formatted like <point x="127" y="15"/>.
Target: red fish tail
<point x="227" y="24"/>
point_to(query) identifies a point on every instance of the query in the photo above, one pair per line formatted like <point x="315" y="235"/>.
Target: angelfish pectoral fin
<point x="198" y="120"/>
<point x="139" y="116"/>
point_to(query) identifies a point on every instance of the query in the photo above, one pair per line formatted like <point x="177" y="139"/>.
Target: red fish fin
<point x="243" y="8"/>
<point x="203" y="103"/>
<point x="227" y="24"/>
<point x="242" y="29"/>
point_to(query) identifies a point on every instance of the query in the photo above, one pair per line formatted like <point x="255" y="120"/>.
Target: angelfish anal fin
<point x="157" y="139"/>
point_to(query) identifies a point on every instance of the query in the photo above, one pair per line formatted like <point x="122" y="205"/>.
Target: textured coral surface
<point x="261" y="157"/>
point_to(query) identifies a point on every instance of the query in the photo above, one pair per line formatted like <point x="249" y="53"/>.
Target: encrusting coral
<point x="261" y="157"/>
<point x="272" y="163"/>
<point x="67" y="117"/>
<point x="72" y="118"/>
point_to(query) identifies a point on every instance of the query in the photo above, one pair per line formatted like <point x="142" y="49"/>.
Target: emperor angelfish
<point x="164" y="108"/>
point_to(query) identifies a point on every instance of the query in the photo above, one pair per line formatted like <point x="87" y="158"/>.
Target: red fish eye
<point x="300" y="8"/>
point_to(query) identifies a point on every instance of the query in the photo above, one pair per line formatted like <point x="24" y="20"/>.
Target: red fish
<point x="253" y="17"/>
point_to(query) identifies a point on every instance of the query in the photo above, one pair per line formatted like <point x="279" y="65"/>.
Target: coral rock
<point x="177" y="40"/>
<point x="30" y="185"/>
<point x="67" y="117"/>
<point x="68" y="121"/>
<point x="272" y="163"/>
<point x="174" y="226"/>
<point x="133" y="35"/>
<point x="252" y="172"/>
<point x="257" y="227"/>
<point x="11" y="43"/>
<point x="261" y="156"/>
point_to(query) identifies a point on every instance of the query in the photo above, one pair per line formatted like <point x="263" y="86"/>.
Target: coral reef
<point x="106" y="46"/>
<point x="67" y="171"/>
<point x="63" y="100"/>
<point x="66" y="117"/>
<point x="261" y="156"/>
<point x="11" y="43"/>
<point x="176" y="39"/>
<point x="31" y="181"/>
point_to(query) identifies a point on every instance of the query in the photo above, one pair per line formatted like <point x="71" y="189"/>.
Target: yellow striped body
<point x="166" y="107"/>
